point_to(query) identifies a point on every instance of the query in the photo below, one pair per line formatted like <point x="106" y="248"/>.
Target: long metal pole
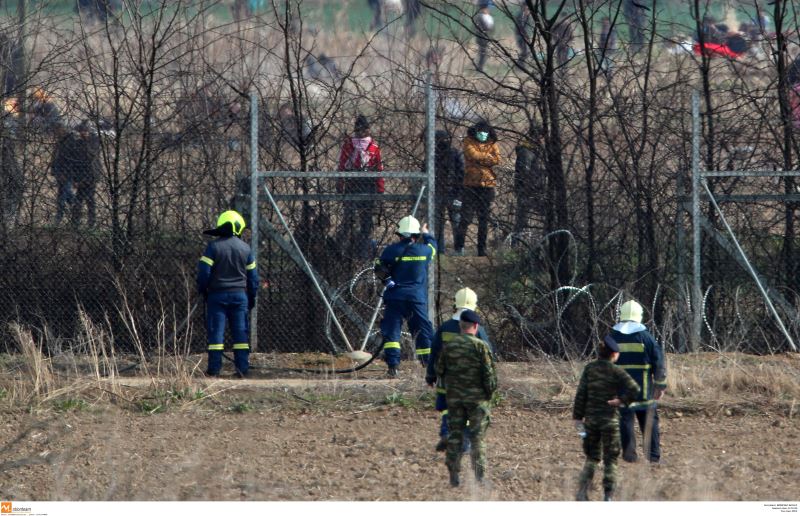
<point x="749" y="267"/>
<point x="680" y="257"/>
<point x="419" y="200"/>
<point x="430" y="156"/>
<point x="697" y="294"/>
<point x="254" y="240"/>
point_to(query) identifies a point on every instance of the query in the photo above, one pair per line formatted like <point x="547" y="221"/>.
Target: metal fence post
<point x="697" y="294"/>
<point x="680" y="257"/>
<point x="254" y="240"/>
<point x="430" y="150"/>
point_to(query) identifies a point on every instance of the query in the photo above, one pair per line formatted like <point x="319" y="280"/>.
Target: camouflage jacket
<point x="466" y="365"/>
<point x="602" y="381"/>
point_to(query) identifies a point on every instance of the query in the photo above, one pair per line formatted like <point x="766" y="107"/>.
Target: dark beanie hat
<point x="470" y="316"/>
<point x="361" y="123"/>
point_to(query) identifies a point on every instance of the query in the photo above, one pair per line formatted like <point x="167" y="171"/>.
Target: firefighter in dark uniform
<point x="642" y="357"/>
<point x="403" y="266"/>
<point x="227" y="278"/>
<point x="465" y="299"/>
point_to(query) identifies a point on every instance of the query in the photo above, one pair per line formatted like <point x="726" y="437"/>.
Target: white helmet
<point x="408" y="226"/>
<point x="484" y="21"/>
<point x="393" y="6"/>
<point x="466" y="298"/>
<point x="631" y="311"/>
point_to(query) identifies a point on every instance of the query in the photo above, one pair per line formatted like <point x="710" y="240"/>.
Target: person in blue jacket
<point x="642" y="358"/>
<point x="403" y="266"/>
<point x="227" y="278"/>
<point x="465" y="299"/>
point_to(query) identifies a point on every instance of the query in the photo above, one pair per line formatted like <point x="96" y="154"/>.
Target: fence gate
<point x="315" y="243"/>
<point x="700" y="189"/>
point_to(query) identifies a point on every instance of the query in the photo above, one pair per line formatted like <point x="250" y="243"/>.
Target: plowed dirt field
<point x="367" y="438"/>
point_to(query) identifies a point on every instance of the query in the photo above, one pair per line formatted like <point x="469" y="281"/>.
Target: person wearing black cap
<point x="467" y="368"/>
<point x="603" y="388"/>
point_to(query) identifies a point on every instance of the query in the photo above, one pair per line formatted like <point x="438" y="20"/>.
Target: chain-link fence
<point x="112" y="165"/>
<point x="101" y="216"/>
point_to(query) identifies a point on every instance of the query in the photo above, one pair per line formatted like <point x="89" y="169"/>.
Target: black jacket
<point x="75" y="159"/>
<point x="529" y="172"/>
<point x="449" y="168"/>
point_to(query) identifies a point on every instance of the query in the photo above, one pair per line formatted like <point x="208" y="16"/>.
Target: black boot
<point x="442" y="444"/>
<point x="608" y="495"/>
<point x="454" y="480"/>
<point x="583" y="494"/>
<point x="392" y="372"/>
<point x="479" y="474"/>
<point x="630" y="456"/>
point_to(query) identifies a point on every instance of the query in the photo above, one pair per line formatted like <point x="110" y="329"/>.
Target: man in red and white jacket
<point x="360" y="153"/>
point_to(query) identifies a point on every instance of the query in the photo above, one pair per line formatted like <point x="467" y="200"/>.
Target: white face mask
<point x="482" y="136"/>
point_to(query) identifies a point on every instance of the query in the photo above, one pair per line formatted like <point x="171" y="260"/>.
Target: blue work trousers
<point x="231" y="307"/>
<point x="651" y="434"/>
<point x="392" y="324"/>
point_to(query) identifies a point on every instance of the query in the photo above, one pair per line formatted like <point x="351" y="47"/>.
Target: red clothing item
<point x="362" y="154"/>
<point x="716" y="50"/>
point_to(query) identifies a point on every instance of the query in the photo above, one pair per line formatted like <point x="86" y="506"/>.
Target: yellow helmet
<point x="466" y="298"/>
<point x="408" y="226"/>
<point x="40" y="95"/>
<point x="234" y="219"/>
<point x="11" y="106"/>
<point x="631" y="311"/>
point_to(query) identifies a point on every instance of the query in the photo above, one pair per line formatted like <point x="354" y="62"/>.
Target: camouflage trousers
<point x="602" y="441"/>
<point x="477" y="415"/>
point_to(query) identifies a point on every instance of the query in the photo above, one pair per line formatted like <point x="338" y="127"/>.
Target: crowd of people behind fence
<point x="74" y="163"/>
<point x="466" y="178"/>
<point x="466" y="174"/>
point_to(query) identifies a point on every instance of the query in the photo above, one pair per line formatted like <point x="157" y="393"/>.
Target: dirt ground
<point x="366" y="438"/>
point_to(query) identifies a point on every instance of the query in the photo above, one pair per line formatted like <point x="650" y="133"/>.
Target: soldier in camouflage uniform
<point x="603" y="387"/>
<point x="466" y="366"/>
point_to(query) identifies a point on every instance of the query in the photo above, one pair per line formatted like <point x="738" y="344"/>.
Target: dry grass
<point x="88" y="369"/>
<point x="34" y="378"/>
<point x="735" y="378"/>
<point x="696" y="382"/>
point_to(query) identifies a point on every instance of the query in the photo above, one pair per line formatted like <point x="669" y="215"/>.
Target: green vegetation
<point x="70" y="404"/>
<point x="160" y="400"/>
<point x="185" y="394"/>
<point x="241" y="407"/>
<point x="149" y="406"/>
<point x="397" y="399"/>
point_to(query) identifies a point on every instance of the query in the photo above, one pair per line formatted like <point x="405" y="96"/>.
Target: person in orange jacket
<point x="481" y="154"/>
